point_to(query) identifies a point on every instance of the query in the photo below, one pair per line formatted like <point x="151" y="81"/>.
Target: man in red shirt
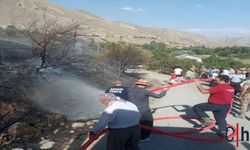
<point x="219" y="103"/>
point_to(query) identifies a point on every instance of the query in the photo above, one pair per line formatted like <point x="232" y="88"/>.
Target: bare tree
<point x="123" y="56"/>
<point x="54" y="43"/>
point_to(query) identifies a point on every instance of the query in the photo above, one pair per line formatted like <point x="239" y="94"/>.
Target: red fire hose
<point x="174" y="134"/>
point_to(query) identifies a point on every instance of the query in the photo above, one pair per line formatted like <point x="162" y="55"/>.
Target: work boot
<point x="222" y="134"/>
<point x="145" y="140"/>
<point x="206" y="122"/>
<point x="240" y="116"/>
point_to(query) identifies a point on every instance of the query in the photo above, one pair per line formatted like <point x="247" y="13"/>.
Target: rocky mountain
<point x="240" y="41"/>
<point x="22" y="12"/>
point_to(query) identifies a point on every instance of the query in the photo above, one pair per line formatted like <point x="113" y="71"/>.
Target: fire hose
<point x="181" y="135"/>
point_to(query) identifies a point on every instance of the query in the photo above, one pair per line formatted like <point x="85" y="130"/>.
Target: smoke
<point x="66" y="95"/>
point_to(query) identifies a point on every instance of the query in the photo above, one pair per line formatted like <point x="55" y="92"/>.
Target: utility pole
<point x="98" y="48"/>
<point x="2" y="57"/>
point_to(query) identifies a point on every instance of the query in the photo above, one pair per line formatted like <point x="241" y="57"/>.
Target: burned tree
<point x="53" y="43"/>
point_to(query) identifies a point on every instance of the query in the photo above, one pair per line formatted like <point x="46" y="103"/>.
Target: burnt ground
<point x="26" y="125"/>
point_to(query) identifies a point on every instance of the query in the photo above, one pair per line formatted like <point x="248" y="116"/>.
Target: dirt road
<point x="179" y="101"/>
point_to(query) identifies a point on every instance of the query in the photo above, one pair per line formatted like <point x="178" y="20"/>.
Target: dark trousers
<point x="147" y="120"/>
<point x="124" y="138"/>
<point x="219" y="111"/>
<point x="236" y="87"/>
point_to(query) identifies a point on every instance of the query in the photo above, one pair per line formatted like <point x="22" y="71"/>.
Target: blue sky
<point x="215" y="18"/>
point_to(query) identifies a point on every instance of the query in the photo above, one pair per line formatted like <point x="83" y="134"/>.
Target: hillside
<point x="241" y="41"/>
<point x="22" y="12"/>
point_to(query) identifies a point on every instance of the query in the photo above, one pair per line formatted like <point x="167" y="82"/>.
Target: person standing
<point x="178" y="71"/>
<point x="191" y="73"/>
<point x="140" y="97"/>
<point x="236" y="80"/>
<point x="118" y="89"/>
<point x="173" y="78"/>
<point x="244" y="98"/>
<point x="122" y="118"/>
<point x="219" y="102"/>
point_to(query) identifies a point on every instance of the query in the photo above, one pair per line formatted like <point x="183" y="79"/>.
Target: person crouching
<point x="122" y="118"/>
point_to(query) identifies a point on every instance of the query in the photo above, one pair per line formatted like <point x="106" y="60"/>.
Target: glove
<point x="92" y="135"/>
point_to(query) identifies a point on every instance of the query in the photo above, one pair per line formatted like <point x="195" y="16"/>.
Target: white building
<point x="187" y="56"/>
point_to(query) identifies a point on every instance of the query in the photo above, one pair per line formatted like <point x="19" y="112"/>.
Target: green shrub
<point x="222" y="62"/>
<point x="123" y="56"/>
<point x="12" y="31"/>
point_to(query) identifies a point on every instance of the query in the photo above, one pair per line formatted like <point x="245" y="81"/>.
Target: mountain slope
<point x="239" y="41"/>
<point x="22" y="12"/>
